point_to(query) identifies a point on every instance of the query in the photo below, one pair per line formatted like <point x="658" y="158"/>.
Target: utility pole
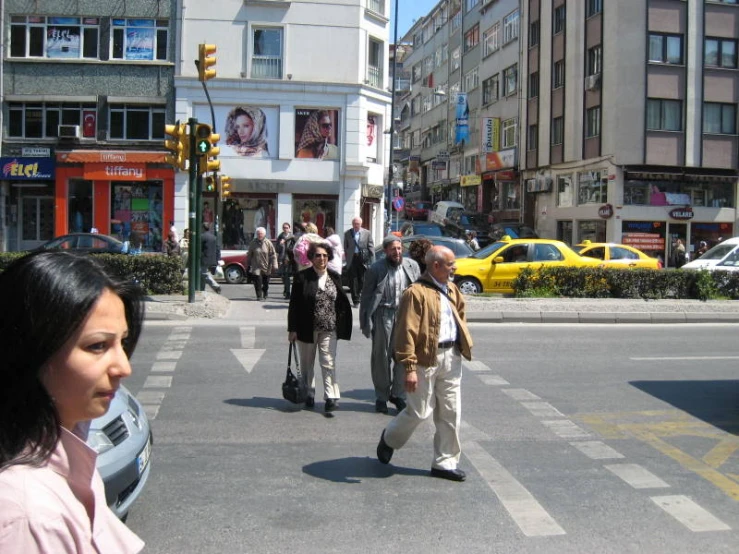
<point x="390" y="168"/>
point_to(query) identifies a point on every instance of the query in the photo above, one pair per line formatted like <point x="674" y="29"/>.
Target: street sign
<point x="203" y="146"/>
<point x="399" y="203"/>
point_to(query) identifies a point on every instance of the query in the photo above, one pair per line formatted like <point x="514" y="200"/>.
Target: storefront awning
<point x="110" y="156"/>
<point x="674" y="176"/>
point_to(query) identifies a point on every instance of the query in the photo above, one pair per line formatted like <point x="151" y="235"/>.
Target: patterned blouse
<point x="325" y="314"/>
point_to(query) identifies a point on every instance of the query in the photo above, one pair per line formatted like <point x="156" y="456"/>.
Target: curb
<point x="602" y="318"/>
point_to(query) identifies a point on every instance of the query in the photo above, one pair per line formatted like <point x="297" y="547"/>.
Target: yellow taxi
<point x="617" y="255"/>
<point x="493" y="268"/>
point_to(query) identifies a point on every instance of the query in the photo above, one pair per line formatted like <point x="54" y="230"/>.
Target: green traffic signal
<point x="203" y="146"/>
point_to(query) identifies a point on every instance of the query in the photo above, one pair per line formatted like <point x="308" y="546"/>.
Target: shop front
<point x="126" y="194"/>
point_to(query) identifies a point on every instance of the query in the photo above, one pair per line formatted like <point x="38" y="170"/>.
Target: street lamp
<point x="391" y="134"/>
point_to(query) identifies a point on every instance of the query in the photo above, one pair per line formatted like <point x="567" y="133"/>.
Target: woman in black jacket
<point x="318" y="315"/>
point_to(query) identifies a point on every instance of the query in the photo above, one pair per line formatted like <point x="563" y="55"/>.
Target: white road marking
<point x="248" y="336"/>
<point x="248" y="358"/>
<point x="476" y="366"/>
<point x="565" y="428"/>
<point x="164" y="366"/>
<point x="151" y="410"/>
<point x="521" y="394"/>
<point x="166" y="355"/>
<point x="158" y="381"/>
<point x="596" y="450"/>
<point x="690" y="358"/>
<point x="529" y="515"/>
<point x="542" y="409"/>
<point x="637" y="476"/>
<point x="493" y="380"/>
<point x="472" y="433"/>
<point x="150" y="396"/>
<point x="690" y="514"/>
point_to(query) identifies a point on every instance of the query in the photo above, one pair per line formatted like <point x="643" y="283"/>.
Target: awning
<point x="110" y="156"/>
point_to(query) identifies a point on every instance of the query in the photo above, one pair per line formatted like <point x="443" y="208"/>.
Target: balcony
<point x="374" y="76"/>
<point x="266" y="67"/>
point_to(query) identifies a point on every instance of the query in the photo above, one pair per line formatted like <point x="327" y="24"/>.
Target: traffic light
<point x="205" y="147"/>
<point x="178" y="145"/>
<point x="225" y="186"/>
<point x="210" y="183"/>
<point x="206" y="59"/>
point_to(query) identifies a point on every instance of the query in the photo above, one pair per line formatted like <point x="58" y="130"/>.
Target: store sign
<point x="605" y="211"/>
<point x="682" y="214"/>
<point x="442" y="156"/>
<point x="35" y="152"/>
<point x="500" y="160"/>
<point x="462" y="119"/>
<point x="470" y="180"/>
<point x="372" y="191"/>
<point x="644" y="241"/>
<point x="490" y="128"/>
<point x="114" y="172"/>
<point x="27" y="169"/>
<point x="438" y="165"/>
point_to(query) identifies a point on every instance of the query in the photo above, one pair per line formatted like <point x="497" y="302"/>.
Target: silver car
<point x="122" y="438"/>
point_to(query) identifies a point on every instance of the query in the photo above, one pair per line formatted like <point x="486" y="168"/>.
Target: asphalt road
<point x="576" y="439"/>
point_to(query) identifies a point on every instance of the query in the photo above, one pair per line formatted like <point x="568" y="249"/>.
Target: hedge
<point x="156" y="273"/>
<point x="601" y="282"/>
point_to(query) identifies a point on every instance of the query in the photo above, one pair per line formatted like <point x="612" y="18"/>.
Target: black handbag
<point x="294" y="389"/>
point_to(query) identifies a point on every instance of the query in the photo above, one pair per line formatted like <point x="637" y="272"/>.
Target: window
<point x="416" y="72"/>
<point x="510" y="27"/>
<point x="558" y="130"/>
<point x="592" y="128"/>
<point x="592" y="188"/>
<point x="42" y="120"/>
<point x="456" y="20"/>
<point x="664" y="115"/>
<point x="428" y="65"/>
<point x="471" y="80"/>
<point x="720" y="53"/>
<point x="139" y="39"/>
<point x="510" y="80"/>
<point x="534" y="84"/>
<point x="491" y="40"/>
<point x="136" y="122"/>
<point x="666" y="48"/>
<point x="266" y="60"/>
<point x="490" y="89"/>
<point x="558" y="72"/>
<point x="377" y="6"/>
<point x="595" y="60"/>
<point x="469" y="4"/>
<point x="533" y="34"/>
<point x="416" y="105"/>
<point x="533" y="137"/>
<point x="593" y="7"/>
<point x="456" y="58"/>
<point x="374" y="63"/>
<point x="54" y="37"/>
<point x="719" y="118"/>
<point x="472" y="38"/>
<point x="509" y="132"/>
<point x="560" y="21"/>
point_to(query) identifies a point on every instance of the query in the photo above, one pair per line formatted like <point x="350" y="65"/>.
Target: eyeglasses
<point x="326" y="125"/>
<point x="320" y="255"/>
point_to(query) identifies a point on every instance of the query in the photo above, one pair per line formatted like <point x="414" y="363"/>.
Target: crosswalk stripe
<point x="521" y="394"/>
<point x="164" y="366"/>
<point x="565" y="428"/>
<point x="493" y="380"/>
<point x="637" y="476"/>
<point x="152" y="410"/>
<point x="529" y="515"/>
<point x="169" y="355"/>
<point x="690" y="514"/>
<point x="542" y="409"/>
<point x="248" y="336"/>
<point x="476" y="366"/>
<point x="596" y="450"/>
<point x="158" y="382"/>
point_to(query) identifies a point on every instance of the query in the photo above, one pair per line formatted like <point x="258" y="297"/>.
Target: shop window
<point x="594" y="231"/>
<point x="139" y="39"/>
<point x="135" y="122"/>
<point x="592" y="188"/>
<point x="80" y="206"/>
<point x="511" y="195"/>
<point x="136" y="209"/>
<point x="565" y="191"/>
<point x="54" y="37"/>
<point x="42" y="120"/>
<point x="320" y="212"/>
<point x="564" y="231"/>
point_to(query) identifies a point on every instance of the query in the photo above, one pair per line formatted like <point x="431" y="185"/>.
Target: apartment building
<point x="301" y="103"/>
<point x="86" y="89"/>
<point x="630" y="120"/>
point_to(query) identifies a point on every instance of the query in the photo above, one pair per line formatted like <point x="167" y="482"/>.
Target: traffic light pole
<point x="216" y="207"/>
<point x="193" y="266"/>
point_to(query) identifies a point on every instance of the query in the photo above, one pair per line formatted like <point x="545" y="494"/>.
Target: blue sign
<point x="399" y="203"/>
<point x="462" y="123"/>
<point x="18" y="168"/>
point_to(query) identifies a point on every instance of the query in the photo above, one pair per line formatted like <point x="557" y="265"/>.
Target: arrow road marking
<point x="248" y="358"/>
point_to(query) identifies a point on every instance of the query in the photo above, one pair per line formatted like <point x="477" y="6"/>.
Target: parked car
<point x="493" y="268"/>
<point x="236" y="264"/>
<point x="443" y="210"/>
<point x="424" y="228"/>
<point x="460" y="222"/>
<point x="417" y="210"/>
<point x="723" y="256"/>
<point x="122" y="439"/>
<point x="617" y="255"/>
<point x="85" y="243"/>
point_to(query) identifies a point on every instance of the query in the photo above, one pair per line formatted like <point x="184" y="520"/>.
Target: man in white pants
<point x="431" y="337"/>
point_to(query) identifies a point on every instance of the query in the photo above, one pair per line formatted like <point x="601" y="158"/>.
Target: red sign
<point x="644" y="241"/>
<point x="605" y="211"/>
<point x="682" y="213"/>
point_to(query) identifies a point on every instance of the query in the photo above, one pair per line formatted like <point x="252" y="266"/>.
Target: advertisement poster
<point x="372" y="138"/>
<point x="137" y="215"/>
<point x="462" y="123"/>
<point x="246" y="131"/>
<point x="316" y="134"/>
<point x="63" y="37"/>
<point x="140" y="41"/>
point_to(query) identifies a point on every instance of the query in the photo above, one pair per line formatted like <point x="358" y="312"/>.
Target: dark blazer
<point x="303" y="305"/>
<point x="210" y="253"/>
<point x="365" y="243"/>
<point x="374" y="286"/>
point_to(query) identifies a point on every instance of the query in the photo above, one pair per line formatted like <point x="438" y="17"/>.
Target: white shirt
<point x="448" y="327"/>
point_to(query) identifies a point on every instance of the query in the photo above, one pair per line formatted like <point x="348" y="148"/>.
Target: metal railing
<point x="266" y="67"/>
<point x="374" y="76"/>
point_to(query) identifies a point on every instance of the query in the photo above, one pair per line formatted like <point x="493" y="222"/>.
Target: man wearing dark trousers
<point x="430" y="339"/>
<point x="209" y="256"/>
<point x="262" y="262"/>
<point x="359" y="249"/>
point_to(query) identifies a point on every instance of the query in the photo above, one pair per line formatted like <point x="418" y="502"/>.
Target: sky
<point x="409" y="10"/>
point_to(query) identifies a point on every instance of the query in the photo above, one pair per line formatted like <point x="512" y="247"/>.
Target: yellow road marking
<point x="720" y="453"/>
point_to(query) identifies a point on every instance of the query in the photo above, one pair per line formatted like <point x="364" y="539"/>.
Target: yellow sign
<point x="470" y="180"/>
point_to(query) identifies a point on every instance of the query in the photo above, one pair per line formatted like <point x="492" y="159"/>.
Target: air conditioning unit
<point x="592" y="82"/>
<point x="69" y="131"/>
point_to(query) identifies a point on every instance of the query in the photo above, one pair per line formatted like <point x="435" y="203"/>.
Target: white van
<point x="442" y="210"/>
<point x="723" y="256"/>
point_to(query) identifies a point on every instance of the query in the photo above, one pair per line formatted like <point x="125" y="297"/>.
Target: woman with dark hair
<point x="315" y="141"/>
<point x="418" y="250"/>
<point x="246" y="132"/>
<point x="67" y="333"/>
<point x="318" y="315"/>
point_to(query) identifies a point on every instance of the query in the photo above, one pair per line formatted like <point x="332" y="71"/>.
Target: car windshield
<point x="718" y="252"/>
<point x="473" y="220"/>
<point x="427" y="229"/>
<point x="488" y="250"/>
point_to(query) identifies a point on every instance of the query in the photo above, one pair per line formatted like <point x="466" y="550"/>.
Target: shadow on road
<point x="715" y="402"/>
<point x="355" y="469"/>
<point x="266" y="403"/>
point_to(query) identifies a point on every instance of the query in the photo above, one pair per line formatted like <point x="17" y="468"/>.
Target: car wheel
<point x="468" y="285"/>
<point x="234" y="275"/>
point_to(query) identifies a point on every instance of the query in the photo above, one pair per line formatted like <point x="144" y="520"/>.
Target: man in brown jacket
<point x="431" y="337"/>
<point x="262" y="262"/>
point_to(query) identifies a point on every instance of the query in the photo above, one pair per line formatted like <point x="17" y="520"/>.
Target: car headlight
<point x="99" y="442"/>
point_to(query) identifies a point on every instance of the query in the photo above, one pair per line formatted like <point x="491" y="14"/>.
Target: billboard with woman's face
<point x="316" y="134"/>
<point x="246" y="131"/>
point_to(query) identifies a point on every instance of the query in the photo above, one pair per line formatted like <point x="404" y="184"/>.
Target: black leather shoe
<point x="310" y="402"/>
<point x="399" y="403"/>
<point x="331" y="405"/>
<point x="380" y="407"/>
<point x="384" y="452"/>
<point x="451" y="474"/>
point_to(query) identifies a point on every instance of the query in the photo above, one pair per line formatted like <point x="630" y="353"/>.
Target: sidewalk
<point x="209" y="305"/>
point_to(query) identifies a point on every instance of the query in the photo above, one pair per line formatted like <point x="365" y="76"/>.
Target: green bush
<point x="156" y="274"/>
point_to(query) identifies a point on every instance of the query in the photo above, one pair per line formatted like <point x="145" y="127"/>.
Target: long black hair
<point x="44" y="299"/>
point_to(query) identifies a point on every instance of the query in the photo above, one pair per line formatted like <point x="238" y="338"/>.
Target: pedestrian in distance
<point x="431" y="336"/>
<point x="319" y="314"/>
<point x="285" y="244"/>
<point x="335" y="241"/>
<point x="172" y="245"/>
<point x="59" y="372"/>
<point x="359" y="249"/>
<point x="209" y="256"/>
<point x="262" y="262"/>
<point x="384" y="284"/>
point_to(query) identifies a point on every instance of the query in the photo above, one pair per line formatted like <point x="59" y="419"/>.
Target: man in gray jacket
<point x="384" y="284"/>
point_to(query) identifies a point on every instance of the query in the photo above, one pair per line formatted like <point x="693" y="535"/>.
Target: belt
<point x="447" y="344"/>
